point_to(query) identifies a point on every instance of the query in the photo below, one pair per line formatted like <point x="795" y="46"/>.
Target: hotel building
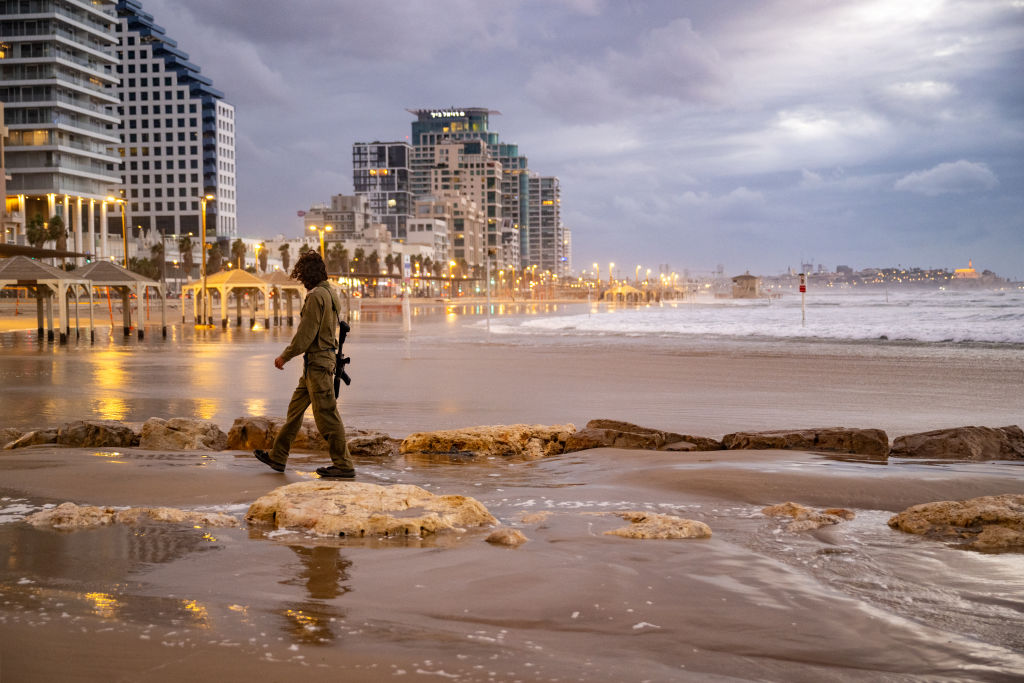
<point x="380" y="172"/>
<point x="57" y="80"/>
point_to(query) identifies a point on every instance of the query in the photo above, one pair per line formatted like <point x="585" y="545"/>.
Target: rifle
<point x="340" y="375"/>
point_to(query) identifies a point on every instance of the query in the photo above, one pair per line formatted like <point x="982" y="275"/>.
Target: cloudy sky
<point x="748" y="134"/>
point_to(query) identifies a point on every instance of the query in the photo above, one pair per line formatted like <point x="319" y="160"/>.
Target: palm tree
<point x="286" y="256"/>
<point x="263" y="257"/>
<point x="359" y="260"/>
<point x="343" y="261"/>
<point x="389" y="263"/>
<point x="303" y="249"/>
<point x="427" y="266"/>
<point x="213" y="260"/>
<point x="59" y="232"/>
<point x="36" y="231"/>
<point x="335" y="255"/>
<point x="373" y="263"/>
<point x="156" y="254"/>
<point x="238" y="252"/>
<point x="185" y="249"/>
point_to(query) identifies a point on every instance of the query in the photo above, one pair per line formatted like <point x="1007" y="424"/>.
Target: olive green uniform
<point x="316" y="338"/>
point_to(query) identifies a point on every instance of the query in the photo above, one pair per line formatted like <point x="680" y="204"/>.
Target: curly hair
<point x="310" y="269"/>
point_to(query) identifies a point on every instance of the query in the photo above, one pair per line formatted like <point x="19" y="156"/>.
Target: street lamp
<point x="124" y="227"/>
<point x="257" y="250"/>
<point x="207" y="315"/>
<point x="326" y="228"/>
<point x="610" y="266"/>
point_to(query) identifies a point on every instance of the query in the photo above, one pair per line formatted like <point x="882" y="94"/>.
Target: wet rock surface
<point x="834" y="439"/>
<point x="985" y="523"/>
<point x="604" y="433"/>
<point x="8" y="435"/>
<point x="249" y="433"/>
<point x="97" y="433"/>
<point x="519" y="441"/>
<point x="36" y="437"/>
<point x="358" y="509"/>
<point x="805" y="518"/>
<point x="182" y="434"/>
<point x="508" y="537"/>
<point x="962" y="443"/>
<point x="70" y="517"/>
<point x="654" y="525"/>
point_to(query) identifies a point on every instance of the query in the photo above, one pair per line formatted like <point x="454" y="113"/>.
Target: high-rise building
<point x="547" y="243"/>
<point x="177" y="137"/>
<point x="57" y="74"/>
<point x="380" y="171"/>
<point x="348" y="217"/>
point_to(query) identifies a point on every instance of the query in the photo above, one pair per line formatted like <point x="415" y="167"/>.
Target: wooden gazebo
<point x="225" y="283"/>
<point x="47" y="282"/>
<point x="125" y="282"/>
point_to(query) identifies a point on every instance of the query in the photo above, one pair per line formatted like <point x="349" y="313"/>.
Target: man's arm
<point x="305" y="333"/>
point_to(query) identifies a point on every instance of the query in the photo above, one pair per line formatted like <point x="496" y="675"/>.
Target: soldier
<point x="316" y="338"/>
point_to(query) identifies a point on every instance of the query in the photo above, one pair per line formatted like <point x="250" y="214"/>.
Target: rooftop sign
<point x="446" y="114"/>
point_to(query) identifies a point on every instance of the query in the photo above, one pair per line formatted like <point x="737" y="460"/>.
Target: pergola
<point x="47" y="282"/>
<point x="226" y="283"/>
<point x="284" y="286"/>
<point x="125" y="282"/>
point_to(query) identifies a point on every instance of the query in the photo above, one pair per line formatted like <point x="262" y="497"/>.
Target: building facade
<point x="380" y="172"/>
<point x="177" y="138"/>
<point x="546" y="240"/>
<point x="57" y="79"/>
<point x="348" y="216"/>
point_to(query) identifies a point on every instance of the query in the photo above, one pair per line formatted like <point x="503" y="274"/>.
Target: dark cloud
<point x="862" y="132"/>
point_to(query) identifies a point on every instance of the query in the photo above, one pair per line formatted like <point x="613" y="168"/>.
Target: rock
<point x="603" y="433"/>
<point x="657" y="525"/>
<point x="375" y="444"/>
<point x="806" y="519"/>
<point x="962" y="443"/>
<point x="9" y="435"/>
<point x="509" y="537"/>
<point x="182" y="434"/>
<point x="522" y="441"/>
<point x="332" y="508"/>
<point x="250" y="433"/>
<point x="97" y="433"/>
<point x="534" y="517"/>
<point x="986" y="523"/>
<point x="33" y="438"/>
<point x="834" y="439"/>
<point x="68" y="517"/>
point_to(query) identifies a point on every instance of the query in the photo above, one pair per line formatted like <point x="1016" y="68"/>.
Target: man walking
<point x="316" y="338"/>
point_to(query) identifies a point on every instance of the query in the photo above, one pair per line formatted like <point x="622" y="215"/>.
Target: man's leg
<point x="292" y="423"/>
<point x="328" y="421"/>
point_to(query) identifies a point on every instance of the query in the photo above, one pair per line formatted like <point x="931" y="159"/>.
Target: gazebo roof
<point x="230" y="279"/>
<point x="107" y="272"/>
<point x="22" y="268"/>
<point x="279" y="277"/>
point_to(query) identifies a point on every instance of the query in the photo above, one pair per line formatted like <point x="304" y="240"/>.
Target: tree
<point x="238" y="253"/>
<point x="156" y="254"/>
<point x="337" y="258"/>
<point x="373" y="263"/>
<point x="185" y="249"/>
<point x="428" y="265"/>
<point x="213" y="259"/>
<point x="303" y="249"/>
<point x="143" y="267"/>
<point x="59" y="232"/>
<point x="389" y="263"/>
<point x="36" y="231"/>
<point x="359" y="260"/>
<point x="263" y="257"/>
<point x="286" y="256"/>
<point x="437" y="266"/>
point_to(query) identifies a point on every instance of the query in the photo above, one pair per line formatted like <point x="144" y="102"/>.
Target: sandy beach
<point x="854" y="602"/>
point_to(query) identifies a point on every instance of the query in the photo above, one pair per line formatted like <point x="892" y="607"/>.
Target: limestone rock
<point x="9" y="435"/>
<point x="332" y="508"/>
<point x="506" y="536"/>
<point x="806" y="519"/>
<point x="523" y="441"/>
<point x="69" y="517"/>
<point x="603" y="433"/>
<point x="534" y="517"/>
<point x="835" y="439"/>
<point x="34" y="438"/>
<point x="962" y="443"/>
<point x="657" y="525"/>
<point x="985" y="523"/>
<point x="182" y="434"/>
<point x="373" y="444"/>
<point x="97" y="433"/>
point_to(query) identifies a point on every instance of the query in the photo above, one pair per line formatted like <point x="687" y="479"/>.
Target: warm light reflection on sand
<point x="109" y="408"/>
<point x="206" y="408"/>
<point x="255" y="406"/>
<point x="103" y="604"/>
<point x="198" y="612"/>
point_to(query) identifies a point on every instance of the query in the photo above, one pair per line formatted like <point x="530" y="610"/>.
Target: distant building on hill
<point x="967" y="273"/>
<point x="746" y="286"/>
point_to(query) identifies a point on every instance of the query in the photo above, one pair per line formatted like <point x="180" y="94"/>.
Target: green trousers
<point x="316" y="387"/>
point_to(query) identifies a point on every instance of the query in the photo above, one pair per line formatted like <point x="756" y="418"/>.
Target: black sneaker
<point x="264" y="458"/>
<point x="335" y="472"/>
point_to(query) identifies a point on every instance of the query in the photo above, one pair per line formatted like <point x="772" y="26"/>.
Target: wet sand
<point x="855" y="602"/>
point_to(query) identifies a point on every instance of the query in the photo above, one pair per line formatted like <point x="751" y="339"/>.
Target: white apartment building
<point x="57" y="74"/>
<point x="177" y="136"/>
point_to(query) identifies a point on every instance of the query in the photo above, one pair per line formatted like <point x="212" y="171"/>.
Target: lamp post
<point x="124" y="227"/>
<point x="207" y="315"/>
<point x="610" y="266"/>
<point x="257" y="250"/>
<point x="326" y="228"/>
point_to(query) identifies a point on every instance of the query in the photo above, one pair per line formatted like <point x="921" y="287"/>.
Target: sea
<point x="979" y="317"/>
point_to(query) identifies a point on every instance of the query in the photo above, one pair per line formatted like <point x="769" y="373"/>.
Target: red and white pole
<point x="803" y="299"/>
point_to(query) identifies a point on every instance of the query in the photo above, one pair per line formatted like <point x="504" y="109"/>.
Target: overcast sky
<point x="748" y="134"/>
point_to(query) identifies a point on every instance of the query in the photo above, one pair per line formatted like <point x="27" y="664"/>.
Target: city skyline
<point x="857" y="133"/>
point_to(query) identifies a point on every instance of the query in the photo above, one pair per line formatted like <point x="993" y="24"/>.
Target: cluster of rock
<point x="986" y="523"/>
<point x="528" y="442"/>
<point x="70" y="517"/>
<point x="806" y="519"/>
